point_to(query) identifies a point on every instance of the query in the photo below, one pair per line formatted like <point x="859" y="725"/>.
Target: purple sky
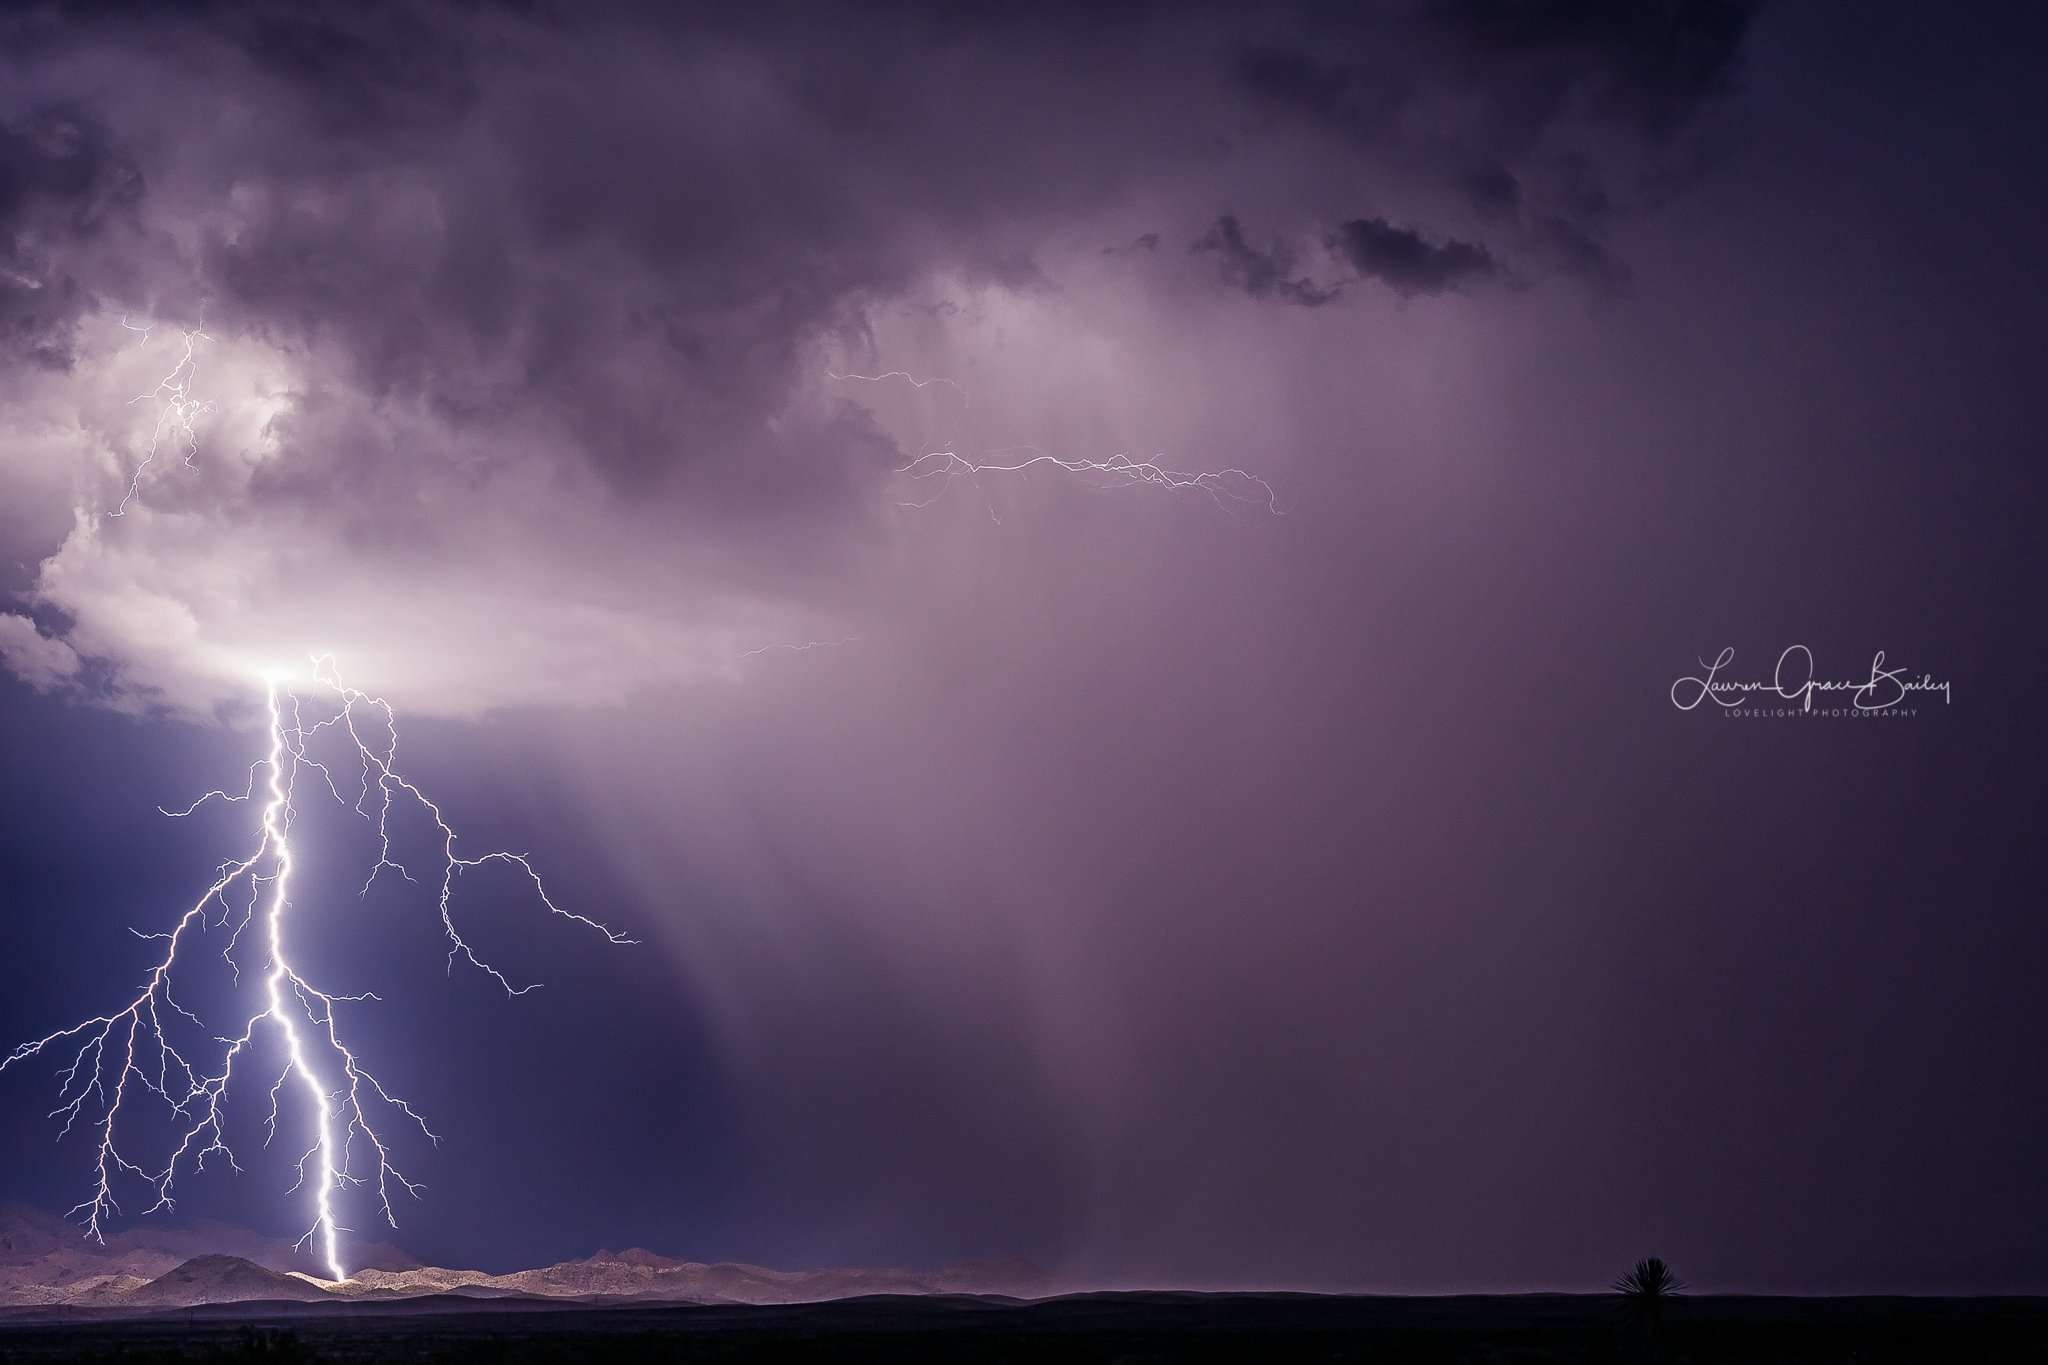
<point x="1149" y="885"/>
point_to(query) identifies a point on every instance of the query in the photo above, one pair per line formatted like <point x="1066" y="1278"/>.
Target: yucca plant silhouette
<point x="1645" y="1291"/>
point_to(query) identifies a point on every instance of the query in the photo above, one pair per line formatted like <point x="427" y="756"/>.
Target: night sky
<point x="1133" y="880"/>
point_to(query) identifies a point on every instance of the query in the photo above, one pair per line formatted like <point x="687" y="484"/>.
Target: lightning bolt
<point x="945" y="464"/>
<point x="331" y="738"/>
<point x="966" y="399"/>
<point x="176" y="415"/>
<point x="797" y="647"/>
<point x="1118" y="471"/>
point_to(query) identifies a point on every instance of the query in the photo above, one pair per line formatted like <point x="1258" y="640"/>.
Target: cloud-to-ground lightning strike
<point x="175" y="417"/>
<point x="137" y="1054"/>
<point x="156" y="1052"/>
<point x="942" y="462"/>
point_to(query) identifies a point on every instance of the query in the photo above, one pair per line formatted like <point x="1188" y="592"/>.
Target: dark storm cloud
<point x="1493" y="191"/>
<point x="1651" y="64"/>
<point x="1361" y="102"/>
<point x="1570" y="249"/>
<point x="502" y="252"/>
<point x="377" y="68"/>
<point x="612" y="251"/>
<point x="61" y="181"/>
<point x="1405" y="261"/>
<point x="1492" y="99"/>
<point x="748" y="182"/>
<point x="1267" y="273"/>
<point x="1648" y="65"/>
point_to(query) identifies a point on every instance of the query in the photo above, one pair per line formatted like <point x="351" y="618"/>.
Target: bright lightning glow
<point x="138" y="1053"/>
<point x="175" y="417"/>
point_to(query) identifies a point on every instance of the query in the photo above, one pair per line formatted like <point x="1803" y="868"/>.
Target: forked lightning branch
<point x="286" y="1045"/>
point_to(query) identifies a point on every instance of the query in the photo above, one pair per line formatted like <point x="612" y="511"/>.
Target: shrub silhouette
<point x="1645" y="1291"/>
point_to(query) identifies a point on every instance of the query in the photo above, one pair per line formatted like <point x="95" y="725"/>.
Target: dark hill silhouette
<point x="151" y="1247"/>
<point x="46" y="1263"/>
<point x="222" y="1279"/>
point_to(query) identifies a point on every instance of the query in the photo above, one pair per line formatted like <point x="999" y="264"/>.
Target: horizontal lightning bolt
<point x="966" y="400"/>
<point x="1118" y="471"/>
<point x="798" y="647"/>
<point x="946" y="465"/>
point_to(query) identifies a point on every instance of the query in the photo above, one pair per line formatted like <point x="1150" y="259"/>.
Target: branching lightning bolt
<point x="136" y="1056"/>
<point x="175" y="417"/>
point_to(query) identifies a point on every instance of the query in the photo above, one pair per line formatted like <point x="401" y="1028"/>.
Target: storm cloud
<point x="461" y="313"/>
<point x="1140" y="881"/>
<point x="60" y="184"/>
<point x="1405" y="261"/>
<point x="1261" y="274"/>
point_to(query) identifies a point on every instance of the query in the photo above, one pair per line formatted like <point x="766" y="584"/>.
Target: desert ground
<point x="207" y="1291"/>
<point x="1122" y="1327"/>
